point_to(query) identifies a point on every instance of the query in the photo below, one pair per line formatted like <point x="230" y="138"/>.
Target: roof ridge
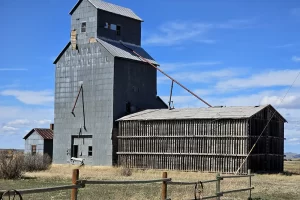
<point x="118" y="11"/>
<point x="118" y="41"/>
<point x="44" y="128"/>
<point x="233" y="112"/>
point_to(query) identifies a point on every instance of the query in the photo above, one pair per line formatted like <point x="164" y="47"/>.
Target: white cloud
<point x="266" y="79"/>
<point x="273" y="97"/>
<point x="43" y="121"/>
<point x="9" y="128"/>
<point x="187" y="65"/>
<point x="287" y="109"/>
<point x="294" y="139"/>
<point x="21" y="126"/>
<point x="18" y="122"/>
<point x="184" y="101"/>
<point x="30" y="97"/>
<point x="177" y="32"/>
<point x="13" y="69"/>
<point x="203" y="91"/>
<point x="296" y="58"/>
<point x="292" y="136"/>
<point x="237" y="23"/>
<point x="291" y="101"/>
<point x="13" y="113"/>
<point x="200" y="77"/>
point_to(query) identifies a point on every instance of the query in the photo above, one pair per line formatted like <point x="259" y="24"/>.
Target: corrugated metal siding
<point x="119" y="10"/>
<point x="95" y="68"/>
<point x="46" y="133"/>
<point x="198" y="145"/>
<point x="130" y="29"/>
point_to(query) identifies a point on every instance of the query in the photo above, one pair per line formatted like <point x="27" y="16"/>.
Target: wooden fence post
<point x="218" y="186"/>
<point x="249" y="173"/>
<point x="75" y="177"/>
<point x="164" y="186"/>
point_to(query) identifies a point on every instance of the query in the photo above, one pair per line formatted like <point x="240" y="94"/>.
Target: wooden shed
<point x="216" y="139"/>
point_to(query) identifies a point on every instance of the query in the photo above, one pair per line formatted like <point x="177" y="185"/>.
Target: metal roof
<point x="46" y="133"/>
<point x="109" y="7"/>
<point x="61" y="53"/>
<point x="117" y="49"/>
<point x="236" y="112"/>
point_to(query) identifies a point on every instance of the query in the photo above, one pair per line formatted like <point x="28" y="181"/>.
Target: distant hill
<point x="290" y="155"/>
<point x="18" y="150"/>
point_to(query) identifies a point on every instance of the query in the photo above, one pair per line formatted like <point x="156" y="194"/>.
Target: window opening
<point x="83" y="27"/>
<point x="113" y="27"/>
<point x="118" y="30"/>
<point x="33" y="150"/>
<point x="90" y="152"/>
<point x="75" y="151"/>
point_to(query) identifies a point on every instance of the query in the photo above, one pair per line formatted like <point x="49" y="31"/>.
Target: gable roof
<point x="61" y="53"/>
<point x="109" y="7"/>
<point x="117" y="49"/>
<point x="234" y="112"/>
<point x="45" y="133"/>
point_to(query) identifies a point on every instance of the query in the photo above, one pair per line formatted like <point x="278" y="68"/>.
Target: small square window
<point x="113" y="27"/>
<point x="83" y="27"/>
<point x="90" y="152"/>
<point x="33" y="150"/>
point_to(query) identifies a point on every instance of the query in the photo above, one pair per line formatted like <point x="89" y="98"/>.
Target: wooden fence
<point x="165" y="181"/>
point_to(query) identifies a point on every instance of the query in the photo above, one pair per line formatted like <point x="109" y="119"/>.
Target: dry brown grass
<point x="292" y="166"/>
<point x="274" y="186"/>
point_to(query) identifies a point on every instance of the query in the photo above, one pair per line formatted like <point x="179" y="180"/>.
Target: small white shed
<point x="39" y="141"/>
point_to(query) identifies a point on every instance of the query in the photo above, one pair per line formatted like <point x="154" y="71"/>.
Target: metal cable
<point x="157" y="68"/>
<point x="266" y="125"/>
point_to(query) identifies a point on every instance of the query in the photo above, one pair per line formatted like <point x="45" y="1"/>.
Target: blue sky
<point x="228" y="52"/>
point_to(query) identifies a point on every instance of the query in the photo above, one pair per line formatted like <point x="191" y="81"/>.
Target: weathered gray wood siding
<point x="268" y="153"/>
<point x="198" y="145"/>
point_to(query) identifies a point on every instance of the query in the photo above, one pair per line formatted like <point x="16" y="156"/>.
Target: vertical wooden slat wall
<point x="212" y="145"/>
<point x="268" y="154"/>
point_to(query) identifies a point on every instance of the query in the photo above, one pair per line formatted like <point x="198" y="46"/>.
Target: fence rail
<point x="42" y="190"/>
<point x="77" y="184"/>
<point x="190" y="183"/>
<point x="123" y="182"/>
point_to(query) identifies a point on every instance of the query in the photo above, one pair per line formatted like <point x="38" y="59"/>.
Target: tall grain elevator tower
<point x="98" y="80"/>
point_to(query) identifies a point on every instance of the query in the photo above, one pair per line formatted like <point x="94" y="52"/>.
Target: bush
<point x="125" y="171"/>
<point x="36" y="162"/>
<point x="11" y="165"/>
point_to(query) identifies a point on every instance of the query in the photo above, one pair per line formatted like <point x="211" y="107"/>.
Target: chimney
<point x="52" y="127"/>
